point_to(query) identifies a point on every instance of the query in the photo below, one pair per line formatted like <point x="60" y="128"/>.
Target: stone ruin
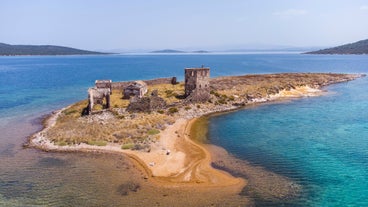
<point x="146" y="104"/>
<point x="197" y="89"/>
<point x="197" y="84"/>
<point x="136" y="89"/>
<point x="100" y="94"/>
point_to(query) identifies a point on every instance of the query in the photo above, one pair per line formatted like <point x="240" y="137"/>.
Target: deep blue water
<point x="320" y="142"/>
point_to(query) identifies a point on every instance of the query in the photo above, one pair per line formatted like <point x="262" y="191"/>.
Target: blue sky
<point x="189" y="24"/>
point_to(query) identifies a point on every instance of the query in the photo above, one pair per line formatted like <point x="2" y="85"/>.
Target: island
<point x="167" y="51"/>
<point x="159" y="125"/>
<point x="178" y="51"/>
<point x="16" y="50"/>
<point x="356" y="48"/>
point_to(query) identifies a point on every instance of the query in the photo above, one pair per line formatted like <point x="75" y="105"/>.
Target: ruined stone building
<point x="137" y="89"/>
<point x="100" y="94"/>
<point x="146" y="104"/>
<point x="197" y="84"/>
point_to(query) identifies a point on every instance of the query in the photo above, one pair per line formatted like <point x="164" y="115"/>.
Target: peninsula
<point x="178" y="51"/>
<point x="16" y="50"/>
<point x="153" y="122"/>
<point x="356" y="48"/>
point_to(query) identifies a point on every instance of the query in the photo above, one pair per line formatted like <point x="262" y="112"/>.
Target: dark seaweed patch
<point x="51" y="162"/>
<point x="125" y="188"/>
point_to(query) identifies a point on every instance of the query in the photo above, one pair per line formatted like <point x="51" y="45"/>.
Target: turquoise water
<point x="322" y="143"/>
<point x="319" y="142"/>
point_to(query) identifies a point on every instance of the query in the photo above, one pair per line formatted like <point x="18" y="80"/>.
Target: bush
<point x="70" y="111"/>
<point x="160" y="111"/>
<point x="187" y="108"/>
<point x="97" y="143"/>
<point x="61" y="143"/>
<point x="153" y="131"/>
<point x="215" y="93"/>
<point x="198" y="106"/>
<point x="120" y="116"/>
<point x="173" y="110"/>
<point x="222" y="101"/>
<point x="127" y="146"/>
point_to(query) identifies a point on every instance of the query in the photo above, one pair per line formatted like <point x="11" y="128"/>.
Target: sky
<point x="131" y="25"/>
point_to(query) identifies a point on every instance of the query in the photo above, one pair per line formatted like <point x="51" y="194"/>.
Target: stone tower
<point x="197" y="84"/>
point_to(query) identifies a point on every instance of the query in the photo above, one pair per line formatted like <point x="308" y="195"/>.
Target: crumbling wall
<point x="121" y="85"/>
<point x="97" y="96"/>
<point x="146" y="104"/>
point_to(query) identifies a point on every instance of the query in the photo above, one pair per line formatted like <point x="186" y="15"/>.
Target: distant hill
<point x="200" y="51"/>
<point x="168" y="51"/>
<point x="12" y="50"/>
<point x="360" y="47"/>
<point x="178" y="51"/>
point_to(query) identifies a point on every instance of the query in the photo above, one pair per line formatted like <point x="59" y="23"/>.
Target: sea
<point x="321" y="143"/>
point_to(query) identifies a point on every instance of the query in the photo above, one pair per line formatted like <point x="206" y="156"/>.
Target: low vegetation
<point x="137" y="130"/>
<point x="360" y="47"/>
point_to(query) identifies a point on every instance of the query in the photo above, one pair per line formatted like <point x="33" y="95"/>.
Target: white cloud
<point x="291" y="12"/>
<point x="364" y="8"/>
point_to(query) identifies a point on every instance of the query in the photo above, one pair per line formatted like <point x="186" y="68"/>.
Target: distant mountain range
<point x="178" y="51"/>
<point x="13" y="50"/>
<point x="358" y="48"/>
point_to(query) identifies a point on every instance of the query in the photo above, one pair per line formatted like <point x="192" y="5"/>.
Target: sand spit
<point x="177" y="161"/>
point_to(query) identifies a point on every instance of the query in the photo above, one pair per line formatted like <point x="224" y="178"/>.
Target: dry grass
<point x="107" y="126"/>
<point x="168" y="91"/>
<point x="117" y="100"/>
<point x="135" y="129"/>
<point x="114" y="125"/>
<point x="262" y="85"/>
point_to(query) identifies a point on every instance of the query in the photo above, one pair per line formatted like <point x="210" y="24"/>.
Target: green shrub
<point x="70" y="111"/>
<point x="127" y="146"/>
<point x="120" y="116"/>
<point x="198" y="106"/>
<point x="160" y="111"/>
<point x="61" y="143"/>
<point x="173" y="110"/>
<point x="215" y="93"/>
<point x="97" y="143"/>
<point x="222" y="101"/>
<point x="187" y="108"/>
<point x="153" y="131"/>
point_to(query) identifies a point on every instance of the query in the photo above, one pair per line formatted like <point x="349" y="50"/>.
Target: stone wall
<point x="122" y="85"/>
<point x="146" y="104"/>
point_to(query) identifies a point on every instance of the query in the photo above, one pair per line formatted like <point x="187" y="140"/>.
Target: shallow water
<point x="31" y="87"/>
<point x="320" y="142"/>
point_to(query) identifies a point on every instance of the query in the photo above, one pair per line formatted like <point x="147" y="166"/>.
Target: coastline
<point x="188" y="162"/>
<point x="176" y="159"/>
<point x="175" y="169"/>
